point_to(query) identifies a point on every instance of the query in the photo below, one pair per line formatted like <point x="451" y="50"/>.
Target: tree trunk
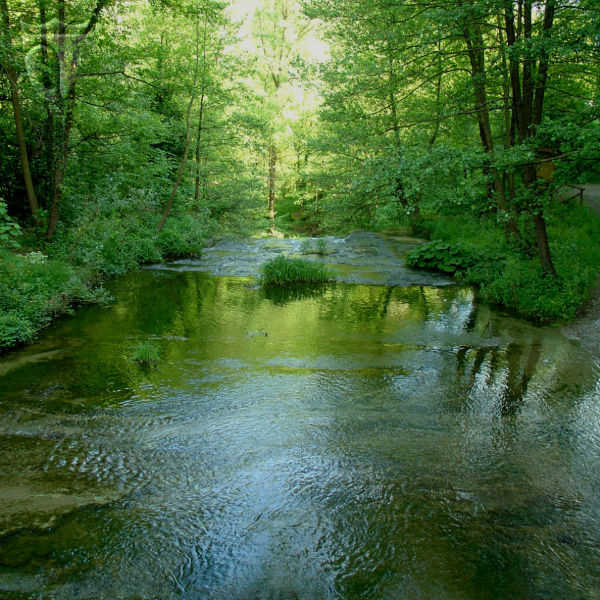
<point x="201" y="115"/>
<point x="61" y="163"/>
<point x="188" y="128"/>
<point x="475" y="47"/>
<point x="541" y="238"/>
<point x="16" y="102"/>
<point x="540" y="85"/>
<point x="48" y="148"/>
<point x="528" y="104"/>
<point x="181" y="168"/>
<point x="66" y="82"/>
<point x="438" y="104"/>
<point x="18" y="115"/>
<point x="199" y="154"/>
<point x="272" y="182"/>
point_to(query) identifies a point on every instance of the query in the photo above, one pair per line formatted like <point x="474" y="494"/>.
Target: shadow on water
<point x="344" y="441"/>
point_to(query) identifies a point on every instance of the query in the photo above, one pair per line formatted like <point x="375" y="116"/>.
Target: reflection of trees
<point x="463" y="354"/>
<point x="386" y="302"/>
<point x="280" y="296"/>
<point x="517" y="378"/>
<point x="373" y="305"/>
<point x="212" y="317"/>
<point x="481" y="369"/>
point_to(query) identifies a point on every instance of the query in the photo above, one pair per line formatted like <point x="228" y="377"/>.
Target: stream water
<point x="383" y="437"/>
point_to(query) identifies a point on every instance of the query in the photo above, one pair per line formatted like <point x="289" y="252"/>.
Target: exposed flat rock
<point x="361" y="257"/>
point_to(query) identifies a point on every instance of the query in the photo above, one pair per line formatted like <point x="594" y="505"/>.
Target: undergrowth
<point x="34" y="290"/>
<point x="475" y="252"/>
<point x="39" y="286"/>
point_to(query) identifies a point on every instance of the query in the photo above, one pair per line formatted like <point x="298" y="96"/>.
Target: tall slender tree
<point x="7" y="60"/>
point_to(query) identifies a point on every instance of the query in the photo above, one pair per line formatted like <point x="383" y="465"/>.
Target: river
<point x="386" y="436"/>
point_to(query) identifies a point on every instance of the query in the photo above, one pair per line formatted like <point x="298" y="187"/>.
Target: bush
<point x="183" y="236"/>
<point x="475" y="252"/>
<point x="285" y="271"/>
<point x="440" y="256"/>
<point x="34" y="290"/>
<point x="15" y="329"/>
<point x="9" y="228"/>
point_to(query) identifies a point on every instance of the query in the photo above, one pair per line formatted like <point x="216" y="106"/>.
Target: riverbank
<point x="37" y="286"/>
<point x="586" y="328"/>
<point x="475" y="252"/>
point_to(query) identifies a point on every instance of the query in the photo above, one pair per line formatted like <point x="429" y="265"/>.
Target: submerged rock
<point x="253" y="334"/>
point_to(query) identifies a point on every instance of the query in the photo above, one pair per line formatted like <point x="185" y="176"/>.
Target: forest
<point x="134" y="131"/>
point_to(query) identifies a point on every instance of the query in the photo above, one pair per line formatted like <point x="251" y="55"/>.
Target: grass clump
<point x="286" y="271"/>
<point x="146" y="354"/>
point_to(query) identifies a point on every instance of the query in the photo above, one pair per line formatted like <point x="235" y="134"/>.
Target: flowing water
<point x="350" y="441"/>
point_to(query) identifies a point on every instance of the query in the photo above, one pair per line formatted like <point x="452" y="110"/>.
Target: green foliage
<point x="146" y="354"/>
<point x="34" y="290"/>
<point x="475" y="252"/>
<point x="115" y="233"/>
<point x="441" y="256"/>
<point x="9" y="228"/>
<point x="522" y="287"/>
<point x="108" y="237"/>
<point x="285" y="271"/>
<point x="14" y="329"/>
<point x="182" y="236"/>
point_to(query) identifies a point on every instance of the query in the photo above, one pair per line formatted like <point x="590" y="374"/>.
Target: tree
<point x="401" y="68"/>
<point x="7" y="60"/>
<point x="278" y="29"/>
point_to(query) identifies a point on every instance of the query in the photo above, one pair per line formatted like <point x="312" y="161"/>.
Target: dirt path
<point x="591" y="197"/>
<point x="586" y="328"/>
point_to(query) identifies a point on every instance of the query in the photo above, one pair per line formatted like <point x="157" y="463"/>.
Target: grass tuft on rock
<point x="284" y="271"/>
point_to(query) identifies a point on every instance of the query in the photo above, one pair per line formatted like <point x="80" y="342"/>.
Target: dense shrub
<point x="475" y="251"/>
<point x="9" y="228"/>
<point x="34" y="290"/>
<point x="113" y="247"/>
<point x="441" y="256"/>
<point x="182" y="236"/>
<point x="109" y="233"/>
<point x="14" y="329"/>
<point x="285" y="271"/>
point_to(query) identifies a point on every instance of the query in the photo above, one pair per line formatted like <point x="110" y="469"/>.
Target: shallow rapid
<point x="344" y="442"/>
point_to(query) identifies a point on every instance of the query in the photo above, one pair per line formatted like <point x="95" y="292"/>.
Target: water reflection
<point x="282" y="295"/>
<point x="348" y="442"/>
